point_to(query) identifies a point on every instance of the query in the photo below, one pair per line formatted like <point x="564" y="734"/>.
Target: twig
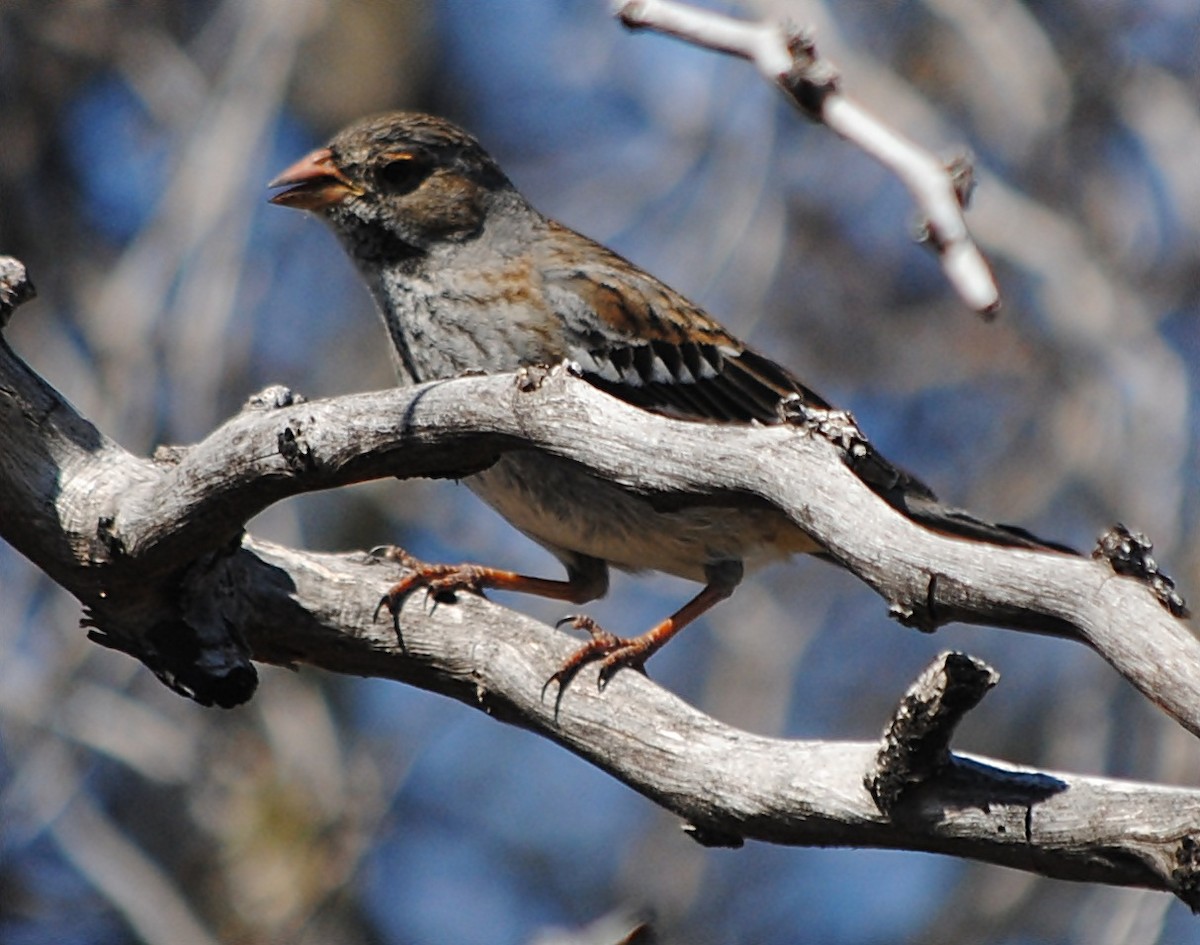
<point x="787" y="58"/>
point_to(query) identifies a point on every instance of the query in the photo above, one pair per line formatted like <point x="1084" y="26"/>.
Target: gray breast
<point x="463" y="322"/>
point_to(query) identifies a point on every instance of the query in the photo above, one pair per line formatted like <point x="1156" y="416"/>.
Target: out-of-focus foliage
<point x="135" y="142"/>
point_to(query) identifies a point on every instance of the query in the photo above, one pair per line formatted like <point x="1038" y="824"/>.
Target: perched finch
<point x="470" y="278"/>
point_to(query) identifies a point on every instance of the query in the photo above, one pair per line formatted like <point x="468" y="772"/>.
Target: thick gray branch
<point x="727" y="785"/>
<point x="154" y="550"/>
<point x="117" y="521"/>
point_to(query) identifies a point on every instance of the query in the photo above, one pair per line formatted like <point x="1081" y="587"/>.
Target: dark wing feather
<point x="660" y="352"/>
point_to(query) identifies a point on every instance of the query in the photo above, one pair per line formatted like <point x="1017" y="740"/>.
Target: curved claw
<point x="437" y="579"/>
<point x="631" y="656"/>
<point x="392" y="603"/>
<point x="391" y="600"/>
<point x="394" y="553"/>
<point x="613" y="651"/>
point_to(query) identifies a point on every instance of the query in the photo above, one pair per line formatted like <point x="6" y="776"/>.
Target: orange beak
<point x="313" y="183"/>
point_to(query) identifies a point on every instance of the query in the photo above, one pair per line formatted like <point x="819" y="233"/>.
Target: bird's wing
<point x="658" y="351"/>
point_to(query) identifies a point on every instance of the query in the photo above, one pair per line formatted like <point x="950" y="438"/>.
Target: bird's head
<point x="396" y="184"/>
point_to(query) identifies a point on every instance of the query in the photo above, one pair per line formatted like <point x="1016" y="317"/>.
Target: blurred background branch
<point x="787" y="57"/>
<point x="135" y="140"/>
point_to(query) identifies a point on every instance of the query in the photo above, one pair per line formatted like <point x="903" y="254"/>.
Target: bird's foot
<point x="440" y="581"/>
<point x="612" y="651"/>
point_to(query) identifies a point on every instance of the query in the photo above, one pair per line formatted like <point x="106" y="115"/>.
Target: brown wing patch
<point x="639" y="340"/>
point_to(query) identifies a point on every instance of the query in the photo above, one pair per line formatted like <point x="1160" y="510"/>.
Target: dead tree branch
<point x="727" y="785"/>
<point x="155" y="551"/>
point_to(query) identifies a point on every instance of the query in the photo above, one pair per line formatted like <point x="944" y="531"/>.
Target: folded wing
<point x="660" y="352"/>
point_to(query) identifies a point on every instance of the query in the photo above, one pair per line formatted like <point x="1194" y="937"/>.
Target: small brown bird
<point x="470" y="278"/>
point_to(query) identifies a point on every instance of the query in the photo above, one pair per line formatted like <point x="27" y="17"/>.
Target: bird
<point x="470" y="278"/>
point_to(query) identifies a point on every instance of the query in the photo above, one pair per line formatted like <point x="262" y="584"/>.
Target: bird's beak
<point x="313" y="183"/>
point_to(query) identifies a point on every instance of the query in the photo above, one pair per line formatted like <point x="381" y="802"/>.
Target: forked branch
<point x="155" y="551"/>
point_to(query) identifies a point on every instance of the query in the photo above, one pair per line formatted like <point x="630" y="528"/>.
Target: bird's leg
<point x="614" y="651"/>
<point x="587" y="579"/>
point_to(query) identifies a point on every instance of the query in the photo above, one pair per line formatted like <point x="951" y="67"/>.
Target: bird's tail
<point x="911" y="497"/>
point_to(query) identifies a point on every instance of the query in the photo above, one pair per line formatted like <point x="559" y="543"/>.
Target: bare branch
<point x="788" y="58"/>
<point x="116" y="526"/>
<point x="155" y="551"/>
<point x="452" y="428"/>
<point x="136" y="885"/>
<point x="727" y="785"/>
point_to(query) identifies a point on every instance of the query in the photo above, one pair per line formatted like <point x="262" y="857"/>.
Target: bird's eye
<point x="404" y="175"/>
